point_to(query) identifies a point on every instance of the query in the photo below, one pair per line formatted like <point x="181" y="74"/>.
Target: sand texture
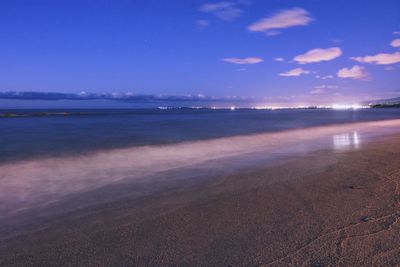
<point x="329" y="208"/>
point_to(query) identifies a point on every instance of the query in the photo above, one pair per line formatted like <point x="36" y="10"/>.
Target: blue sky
<point x="329" y="50"/>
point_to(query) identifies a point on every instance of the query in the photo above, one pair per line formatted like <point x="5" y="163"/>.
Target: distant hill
<point x="385" y="103"/>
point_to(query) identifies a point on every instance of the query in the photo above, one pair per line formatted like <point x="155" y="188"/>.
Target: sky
<point x="278" y="51"/>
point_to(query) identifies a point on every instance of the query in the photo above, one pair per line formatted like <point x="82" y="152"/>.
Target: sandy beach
<point x="328" y="208"/>
<point x="199" y="133"/>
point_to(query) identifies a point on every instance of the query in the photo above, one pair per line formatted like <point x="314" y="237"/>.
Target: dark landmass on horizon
<point x="386" y="105"/>
<point x="158" y="98"/>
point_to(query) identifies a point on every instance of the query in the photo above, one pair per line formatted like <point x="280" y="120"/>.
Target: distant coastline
<point x="397" y="105"/>
<point x="130" y="100"/>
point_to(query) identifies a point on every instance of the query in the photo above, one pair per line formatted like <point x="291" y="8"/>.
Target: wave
<point x="38" y="182"/>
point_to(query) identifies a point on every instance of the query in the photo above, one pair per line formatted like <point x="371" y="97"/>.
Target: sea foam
<point x="37" y="182"/>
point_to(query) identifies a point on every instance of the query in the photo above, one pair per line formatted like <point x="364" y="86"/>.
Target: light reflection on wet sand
<point x="347" y="140"/>
<point x="35" y="183"/>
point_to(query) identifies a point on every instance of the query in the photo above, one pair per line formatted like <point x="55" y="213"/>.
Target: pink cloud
<point x="223" y="10"/>
<point x="395" y="42"/>
<point x="318" y="54"/>
<point x="380" y="59"/>
<point x="243" y="61"/>
<point x="294" y="72"/>
<point x="284" y="19"/>
<point x="356" y="72"/>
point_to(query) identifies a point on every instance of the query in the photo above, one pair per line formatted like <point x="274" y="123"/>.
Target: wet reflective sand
<point x="337" y="206"/>
<point x="32" y="184"/>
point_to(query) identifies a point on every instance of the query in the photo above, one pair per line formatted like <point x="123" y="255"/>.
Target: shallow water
<point x="52" y="164"/>
<point x="38" y="182"/>
<point x="96" y="130"/>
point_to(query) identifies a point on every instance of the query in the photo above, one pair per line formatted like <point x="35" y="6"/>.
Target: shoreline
<point x="36" y="187"/>
<point x="54" y="143"/>
<point x="344" y="210"/>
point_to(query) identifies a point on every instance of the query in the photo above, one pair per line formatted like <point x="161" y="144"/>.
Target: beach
<point x="199" y="133"/>
<point x="325" y="208"/>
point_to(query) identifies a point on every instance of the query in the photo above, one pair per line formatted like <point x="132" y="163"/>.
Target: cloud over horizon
<point x="243" y="61"/>
<point x="224" y="10"/>
<point x="321" y="89"/>
<point x="281" y="20"/>
<point x="324" y="77"/>
<point x="317" y="91"/>
<point x="356" y="72"/>
<point x="379" y="59"/>
<point x="294" y="72"/>
<point x="318" y="55"/>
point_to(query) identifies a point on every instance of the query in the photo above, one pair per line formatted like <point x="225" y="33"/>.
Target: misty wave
<point x="38" y="182"/>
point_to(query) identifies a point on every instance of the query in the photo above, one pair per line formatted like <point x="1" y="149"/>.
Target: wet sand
<point x="338" y="208"/>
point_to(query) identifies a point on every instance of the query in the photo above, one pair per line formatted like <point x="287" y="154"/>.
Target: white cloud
<point x="279" y="59"/>
<point x="318" y="54"/>
<point x="321" y="89"/>
<point x="356" y="72"/>
<point x="242" y="61"/>
<point x="380" y="59"/>
<point x="324" y="86"/>
<point x="396" y="33"/>
<point x="294" y="72"/>
<point x="395" y="42"/>
<point x="284" y="19"/>
<point x="223" y="10"/>
<point x="202" y="23"/>
<point x="324" y="77"/>
<point x="316" y="91"/>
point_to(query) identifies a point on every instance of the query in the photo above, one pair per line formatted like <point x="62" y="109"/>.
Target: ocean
<point x="44" y="133"/>
<point x="56" y="161"/>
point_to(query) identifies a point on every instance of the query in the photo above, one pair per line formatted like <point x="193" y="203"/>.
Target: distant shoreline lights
<point x="233" y="108"/>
